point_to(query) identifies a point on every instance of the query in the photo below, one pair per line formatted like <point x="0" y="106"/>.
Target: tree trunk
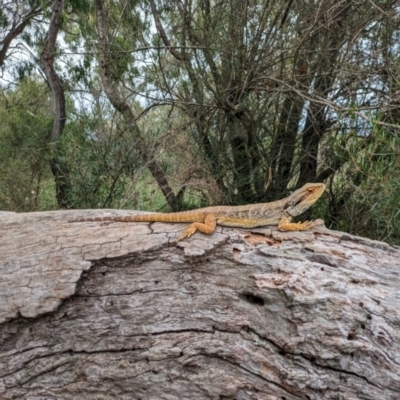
<point x="57" y="164"/>
<point x="105" y="310"/>
<point x="119" y="102"/>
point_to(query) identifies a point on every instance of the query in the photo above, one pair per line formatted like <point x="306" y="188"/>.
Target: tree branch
<point x="120" y="104"/>
<point x="15" y="32"/>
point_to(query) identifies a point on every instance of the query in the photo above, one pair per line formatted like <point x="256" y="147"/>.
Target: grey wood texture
<point x="101" y="310"/>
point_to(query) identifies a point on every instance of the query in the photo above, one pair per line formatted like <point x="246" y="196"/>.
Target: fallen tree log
<point x="118" y="310"/>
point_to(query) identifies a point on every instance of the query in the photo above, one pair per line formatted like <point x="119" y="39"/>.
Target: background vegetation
<point x="170" y="105"/>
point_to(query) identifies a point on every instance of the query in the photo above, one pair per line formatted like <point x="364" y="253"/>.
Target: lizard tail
<point x="168" y="217"/>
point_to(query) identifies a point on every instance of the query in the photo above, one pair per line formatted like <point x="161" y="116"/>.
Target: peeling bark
<point x="118" y="310"/>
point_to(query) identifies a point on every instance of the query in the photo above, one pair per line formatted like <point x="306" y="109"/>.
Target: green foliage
<point x="24" y="150"/>
<point x="80" y="6"/>
<point x="100" y="168"/>
<point x="3" y="19"/>
<point x="365" y="195"/>
<point x="235" y="101"/>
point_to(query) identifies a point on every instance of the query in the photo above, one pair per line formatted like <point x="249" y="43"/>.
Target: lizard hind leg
<point x="207" y="227"/>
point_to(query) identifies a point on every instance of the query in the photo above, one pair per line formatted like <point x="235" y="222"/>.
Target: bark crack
<point x="312" y="360"/>
<point x="248" y="371"/>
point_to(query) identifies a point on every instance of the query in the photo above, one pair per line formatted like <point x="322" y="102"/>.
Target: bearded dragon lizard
<point x="248" y="216"/>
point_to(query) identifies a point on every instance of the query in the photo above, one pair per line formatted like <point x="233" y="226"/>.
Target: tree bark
<point x="57" y="164"/>
<point x="118" y="310"/>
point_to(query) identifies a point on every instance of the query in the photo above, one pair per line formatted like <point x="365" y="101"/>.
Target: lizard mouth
<point x="290" y="205"/>
<point x="302" y="198"/>
<point x="299" y="201"/>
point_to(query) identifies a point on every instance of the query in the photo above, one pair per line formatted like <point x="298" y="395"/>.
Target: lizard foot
<point x="285" y="225"/>
<point x="207" y="227"/>
<point x="189" y="231"/>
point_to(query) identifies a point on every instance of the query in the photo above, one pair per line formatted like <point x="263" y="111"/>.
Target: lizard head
<point x="302" y="199"/>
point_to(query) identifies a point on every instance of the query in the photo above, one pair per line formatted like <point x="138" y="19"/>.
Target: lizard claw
<point x="304" y="226"/>
<point x="189" y="231"/>
<point x="285" y="225"/>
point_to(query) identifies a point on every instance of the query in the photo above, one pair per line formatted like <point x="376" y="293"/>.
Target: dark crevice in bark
<point x="252" y="299"/>
<point x="341" y="371"/>
<point x="311" y="359"/>
<point x="263" y="378"/>
<point x="43" y="372"/>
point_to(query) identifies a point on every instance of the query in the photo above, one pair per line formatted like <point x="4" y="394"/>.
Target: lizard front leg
<point x="207" y="227"/>
<point x="286" y="225"/>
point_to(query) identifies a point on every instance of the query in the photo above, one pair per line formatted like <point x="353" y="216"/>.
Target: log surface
<point x="98" y="310"/>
